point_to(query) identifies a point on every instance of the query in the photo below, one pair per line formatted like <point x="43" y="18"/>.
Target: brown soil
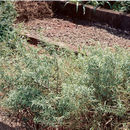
<point x="30" y="10"/>
<point x="70" y="31"/>
<point x="78" y="33"/>
<point x="9" y="122"/>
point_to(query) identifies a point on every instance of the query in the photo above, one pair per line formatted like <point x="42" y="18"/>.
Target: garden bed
<point x="74" y="33"/>
<point x="104" y="16"/>
<point x="68" y="28"/>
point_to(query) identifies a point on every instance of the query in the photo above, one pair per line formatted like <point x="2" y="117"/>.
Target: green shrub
<point x="7" y="17"/>
<point x="59" y="90"/>
<point x="10" y="38"/>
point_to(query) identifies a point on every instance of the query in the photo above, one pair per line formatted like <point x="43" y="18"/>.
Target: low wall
<point x="103" y="16"/>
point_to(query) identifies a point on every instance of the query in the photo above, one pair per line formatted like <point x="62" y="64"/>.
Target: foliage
<point x="123" y="6"/>
<point x="7" y="17"/>
<point x="56" y="89"/>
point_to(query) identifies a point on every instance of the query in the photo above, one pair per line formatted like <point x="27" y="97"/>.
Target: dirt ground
<point x="30" y="10"/>
<point x="8" y="122"/>
<point x="77" y="32"/>
<point x="40" y="17"/>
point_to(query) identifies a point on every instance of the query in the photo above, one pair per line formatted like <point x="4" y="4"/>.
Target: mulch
<point x="78" y="32"/>
<point x="41" y="16"/>
<point x="29" y="10"/>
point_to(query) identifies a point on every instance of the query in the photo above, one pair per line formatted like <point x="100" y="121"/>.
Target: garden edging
<point x="104" y="16"/>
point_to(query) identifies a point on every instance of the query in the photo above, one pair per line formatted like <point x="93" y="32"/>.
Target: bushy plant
<point x="7" y="17"/>
<point x="59" y="90"/>
<point x="101" y="86"/>
<point x="9" y="35"/>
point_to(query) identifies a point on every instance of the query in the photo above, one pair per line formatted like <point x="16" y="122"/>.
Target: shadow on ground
<point x="7" y="127"/>
<point x="114" y="31"/>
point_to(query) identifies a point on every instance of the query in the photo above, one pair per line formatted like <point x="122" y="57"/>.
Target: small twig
<point x="108" y="121"/>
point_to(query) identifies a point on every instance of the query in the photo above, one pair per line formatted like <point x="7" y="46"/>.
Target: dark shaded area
<point x="34" y="41"/>
<point x="6" y="127"/>
<point x="115" y="23"/>
<point x="103" y="16"/>
<point x="116" y="31"/>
